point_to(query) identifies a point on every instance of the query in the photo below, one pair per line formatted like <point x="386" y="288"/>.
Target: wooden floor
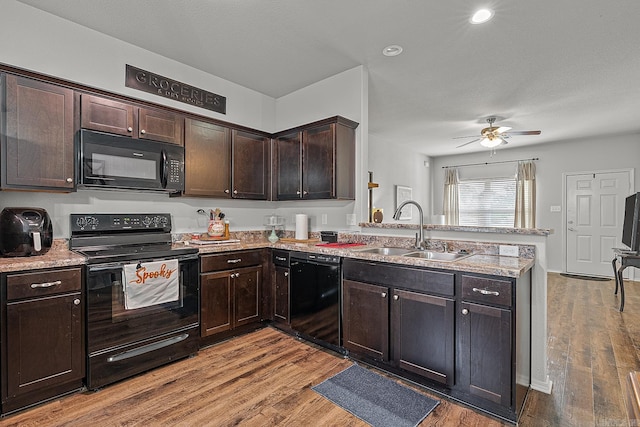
<point x="265" y="378"/>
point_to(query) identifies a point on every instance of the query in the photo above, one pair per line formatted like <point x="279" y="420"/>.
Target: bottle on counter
<point x="226" y="229"/>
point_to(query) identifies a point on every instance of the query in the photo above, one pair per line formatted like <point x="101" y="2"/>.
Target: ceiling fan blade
<point x="461" y="137"/>
<point x="470" y="142"/>
<point x="524" y="132"/>
<point x="502" y="129"/>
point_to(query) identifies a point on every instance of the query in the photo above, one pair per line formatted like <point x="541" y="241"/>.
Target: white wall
<point x="344" y="94"/>
<point x="556" y="158"/>
<point x="40" y="42"/>
<point x="394" y="165"/>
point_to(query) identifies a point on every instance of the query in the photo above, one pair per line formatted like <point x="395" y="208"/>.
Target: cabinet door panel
<point x="43" y="352"/>
<point x="485" y="352"/>
<point x="40" y="134"/>
<point x="161" y="126"/>
<point x="246" y="285"/>
<point x="366" y="319"/>
<point x="289" y="167"/>
<point x="207" y="159"/>
<point x="318" y="159"/>
<point x="281" y="295"/>
<point x="107" y="115"/>
<point x="215" y="305"/>
<point x="423" y="331"/>
<point x="250" y="165"/>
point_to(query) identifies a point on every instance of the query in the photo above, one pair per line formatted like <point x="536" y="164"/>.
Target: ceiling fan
<point x="493" y="136"/>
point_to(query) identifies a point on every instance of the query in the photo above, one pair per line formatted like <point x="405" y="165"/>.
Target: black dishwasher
<point x="315" y="298"/>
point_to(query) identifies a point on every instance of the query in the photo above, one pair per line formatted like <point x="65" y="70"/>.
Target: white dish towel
<point x="150" y="283"/>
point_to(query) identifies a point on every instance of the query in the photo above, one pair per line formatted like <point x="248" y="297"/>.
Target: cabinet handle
<point x="304" y="193"/>
<point x="234" y="275"/>
<point x="235" y="191"/>
<point x="76" y="301"/>
<point x="234" y="261"/>
<point x="486" y="292"/>
<point x="297" y="191"/>
<point x="227" y="191"/>
<point x="46" y="284"/>
<point x="129" y="129"/>
<point x="69" y="180"/>
<point x="281" y="258"/>
<point x="142" y="131"/>
<point x="286" y="274"/>
<point x="396" y="297"/>
<point x="465" y="311"/>
<point x="384" y="295"/>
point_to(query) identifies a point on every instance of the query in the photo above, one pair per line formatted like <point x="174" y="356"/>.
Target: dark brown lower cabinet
<point x="230" y="299"/>
<point x="422" y="327"/>
<point x="43" y="352"/>
<point x="405" y="328"/>
<point x="281" y="313"/>
<point x="365" y="313"/>
<point x="463" y="334"/>
<point x="231" y="294"/>
<point x="485" y="352"/>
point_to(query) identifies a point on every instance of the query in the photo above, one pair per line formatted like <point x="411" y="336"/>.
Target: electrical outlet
<point x="351" y="219"/>
<point x="324" y="219"/>
<point x="556" y="209"/>
<point x="508" y="250"/>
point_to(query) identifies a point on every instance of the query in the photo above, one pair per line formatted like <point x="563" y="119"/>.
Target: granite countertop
<point x="60" y="256"/>
<point x="485" y="264"/>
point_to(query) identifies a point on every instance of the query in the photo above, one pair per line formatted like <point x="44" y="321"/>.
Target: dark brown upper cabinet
<point x="220" y="162"/>
<point x="122" y="118"/>
<point x="38" y="147"/>
<point x="250" y="172"/>
<point x="316" y="161"/>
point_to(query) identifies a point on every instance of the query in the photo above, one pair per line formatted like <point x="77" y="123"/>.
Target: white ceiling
<point x="570" y="68"/>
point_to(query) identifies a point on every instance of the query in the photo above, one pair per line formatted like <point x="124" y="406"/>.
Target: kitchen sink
<point x="385" y="251"/>
<point x="437" y="256"/>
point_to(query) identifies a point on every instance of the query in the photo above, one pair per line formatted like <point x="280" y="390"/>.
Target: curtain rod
<point x="490" y="163"/>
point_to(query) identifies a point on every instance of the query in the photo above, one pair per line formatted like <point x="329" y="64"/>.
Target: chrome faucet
<point x="420" y="243"/>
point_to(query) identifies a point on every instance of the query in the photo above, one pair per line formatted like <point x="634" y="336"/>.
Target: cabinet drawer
<point x="415" y="279"/>
<point x="230" y="260"/>
<point x="28" y="285"/>
<point x="486" y="290"/>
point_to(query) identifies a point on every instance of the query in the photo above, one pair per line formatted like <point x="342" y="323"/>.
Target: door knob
<point x="465" y="311"/>
<point x="572" y="229"/>
<point x="76" y="301"/>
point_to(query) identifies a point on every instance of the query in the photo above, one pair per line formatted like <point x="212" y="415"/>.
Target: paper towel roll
<point x="302" y="222"/>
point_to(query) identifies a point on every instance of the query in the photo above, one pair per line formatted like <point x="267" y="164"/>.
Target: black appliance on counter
<point x="122" y="341"/>
<point x="25" y="232"/>
<point x="315" y="298"/>
<point x="109" y="162"/>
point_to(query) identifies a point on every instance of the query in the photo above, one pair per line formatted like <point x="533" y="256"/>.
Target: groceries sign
<point x="168" y="88"/>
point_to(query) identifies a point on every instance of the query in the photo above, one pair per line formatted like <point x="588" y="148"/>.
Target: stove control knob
<point x="146" y="221"/>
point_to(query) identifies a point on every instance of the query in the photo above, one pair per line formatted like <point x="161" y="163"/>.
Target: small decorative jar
<point x="216" y="228"/>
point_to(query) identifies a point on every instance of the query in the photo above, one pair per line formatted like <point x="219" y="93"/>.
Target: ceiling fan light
<point x="481" y="16"/>
<point x="491" y="143"/>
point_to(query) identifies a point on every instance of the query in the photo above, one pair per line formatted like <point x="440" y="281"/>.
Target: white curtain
<point x="525" y="195"/>
<point x="451" y="212"/>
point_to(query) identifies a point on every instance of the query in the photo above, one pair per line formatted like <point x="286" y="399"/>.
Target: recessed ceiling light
<point x="393" y="50"/>
<point x="481" y="16"/>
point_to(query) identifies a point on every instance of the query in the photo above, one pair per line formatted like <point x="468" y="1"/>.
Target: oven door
<point x="112" y="161"/>
<point x="123" y="342"/>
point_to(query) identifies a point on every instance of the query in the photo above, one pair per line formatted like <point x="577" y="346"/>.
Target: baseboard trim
<point x="544" y="387"/>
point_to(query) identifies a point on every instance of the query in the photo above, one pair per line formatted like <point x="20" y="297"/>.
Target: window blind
<point x="487" y="203"/>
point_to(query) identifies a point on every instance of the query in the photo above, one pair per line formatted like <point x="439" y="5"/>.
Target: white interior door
<point x="595" y="211"/>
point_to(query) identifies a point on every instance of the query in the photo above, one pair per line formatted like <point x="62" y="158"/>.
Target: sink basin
<point x="437" y="256"/>
<point x="385" y="251"/>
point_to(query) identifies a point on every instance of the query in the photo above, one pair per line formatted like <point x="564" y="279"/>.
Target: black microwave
<point x="119" y="162"/>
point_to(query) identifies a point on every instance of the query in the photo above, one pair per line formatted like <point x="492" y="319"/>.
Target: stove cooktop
<point x="134" y="253"/>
